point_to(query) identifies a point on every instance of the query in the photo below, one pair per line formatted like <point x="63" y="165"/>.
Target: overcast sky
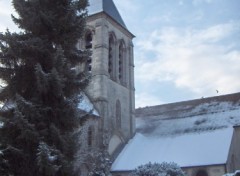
<point x="184" y="49"/>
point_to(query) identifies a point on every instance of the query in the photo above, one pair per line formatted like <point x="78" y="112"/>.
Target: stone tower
<point x="111" y="89"/>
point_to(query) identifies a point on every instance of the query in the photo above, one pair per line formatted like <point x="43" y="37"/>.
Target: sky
<point x="183" y="50"/>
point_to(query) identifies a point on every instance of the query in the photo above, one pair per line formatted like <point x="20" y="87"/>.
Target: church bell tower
<point x="111" y="66"/>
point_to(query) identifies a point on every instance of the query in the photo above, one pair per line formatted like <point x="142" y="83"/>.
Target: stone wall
<point x="87" y="143"/>
<point x="112" y="96"/>
<point x="212" y="170"/>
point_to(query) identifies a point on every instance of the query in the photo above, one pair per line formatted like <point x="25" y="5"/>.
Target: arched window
<point x="111" y="54"/>
<point x="201" y="173"/>
<point x="88" y="45"/>
<point x="88" y="40"/>
<point x="121" y="63"/>
<point x="118" y="114"/>
<point x="90" y="137"/>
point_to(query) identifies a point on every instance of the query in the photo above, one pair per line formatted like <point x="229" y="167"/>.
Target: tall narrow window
<point x="110" y="56"/>
<point x="90" y="136"/>
<point x="88" y="41"/>
<point x="118" y="114"/>
<point x="88" y="45"/>
<point x="121" y="63"/>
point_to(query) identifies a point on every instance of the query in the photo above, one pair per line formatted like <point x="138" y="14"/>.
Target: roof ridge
<point x="188" y="105"/>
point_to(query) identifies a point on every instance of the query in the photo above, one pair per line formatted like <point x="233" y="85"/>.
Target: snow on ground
<point x="193" y="149"/>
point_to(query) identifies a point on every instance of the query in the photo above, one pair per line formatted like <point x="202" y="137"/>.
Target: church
<point x="202" y="136"/>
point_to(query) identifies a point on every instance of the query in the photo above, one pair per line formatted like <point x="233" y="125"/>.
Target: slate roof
<point x="106" y="6"/>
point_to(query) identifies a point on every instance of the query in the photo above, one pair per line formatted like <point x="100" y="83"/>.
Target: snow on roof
<point x="215" y="117"/>
<point x="192" y="107"/>
<point x="194" y="135"/>
<point x="190" y="149"/>
<point x="86" y="105"/>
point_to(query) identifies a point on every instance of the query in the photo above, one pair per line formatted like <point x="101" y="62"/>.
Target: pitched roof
<point x="185" y="108"/>
<point x="86" y="105"/>
<point x="203" y="117"/>
<point x="186" y="133"/>
<point x="196" y="149"/>
<point x="106" y="6"/>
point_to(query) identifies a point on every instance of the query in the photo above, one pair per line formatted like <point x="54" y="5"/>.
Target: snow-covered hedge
<point x="156" y="169"/>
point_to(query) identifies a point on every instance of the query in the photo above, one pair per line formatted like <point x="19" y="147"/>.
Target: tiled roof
<point x="106" y="6"/>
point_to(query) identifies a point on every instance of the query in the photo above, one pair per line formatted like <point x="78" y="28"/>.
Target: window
<point x="90" y="136"/>
<point x="121" y="63"/>
<point x="88" y="45"/>
<point x="118" y="114"/>
<point x="111" y="55"/>
<point x="88" y="41"/>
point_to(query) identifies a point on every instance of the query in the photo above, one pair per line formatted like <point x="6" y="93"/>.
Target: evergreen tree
<point x="100" y="163"/>
<point x="40" y="89"/>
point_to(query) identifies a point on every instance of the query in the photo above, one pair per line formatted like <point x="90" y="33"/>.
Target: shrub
<point x="156" y="169"/>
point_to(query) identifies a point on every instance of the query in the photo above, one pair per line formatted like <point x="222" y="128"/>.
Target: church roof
<point x="188" y="150"/>
<point x="87" y="106"/>
<point x="183" y="132"/>
<point x="106" y="6"/>
<point x="186" y="108"/>
<point x="205" y="116"/>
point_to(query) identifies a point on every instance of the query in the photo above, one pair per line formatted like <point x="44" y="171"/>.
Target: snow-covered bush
<point x="156" y="169"/>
